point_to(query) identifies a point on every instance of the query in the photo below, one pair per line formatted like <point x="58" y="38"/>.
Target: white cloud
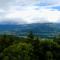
<point x="31" y="15"/>
<point x="29" y="11"/>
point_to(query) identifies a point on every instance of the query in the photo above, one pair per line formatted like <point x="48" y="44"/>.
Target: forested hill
<point x="41" y="29"/>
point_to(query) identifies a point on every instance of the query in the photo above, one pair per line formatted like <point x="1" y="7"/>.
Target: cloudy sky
<point x="29" y="11"/>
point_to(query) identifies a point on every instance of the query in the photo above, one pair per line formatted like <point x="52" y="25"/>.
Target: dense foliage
<point x="29" y="48"/>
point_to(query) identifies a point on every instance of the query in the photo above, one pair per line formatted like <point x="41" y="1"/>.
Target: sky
<point x="29" y="11"/>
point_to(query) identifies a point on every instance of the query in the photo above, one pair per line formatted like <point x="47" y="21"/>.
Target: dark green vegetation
<point x="30" y="48"/>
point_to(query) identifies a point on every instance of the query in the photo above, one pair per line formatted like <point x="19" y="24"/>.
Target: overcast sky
<point x="29" y="11"/>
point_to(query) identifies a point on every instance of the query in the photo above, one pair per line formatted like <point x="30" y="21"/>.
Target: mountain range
<point x="40" y="29"/>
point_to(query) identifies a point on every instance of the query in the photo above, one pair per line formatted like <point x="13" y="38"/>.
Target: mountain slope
<point x="41" y="29"/>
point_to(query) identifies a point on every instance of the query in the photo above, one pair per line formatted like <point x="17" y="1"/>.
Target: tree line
<point x="31" y="48"/>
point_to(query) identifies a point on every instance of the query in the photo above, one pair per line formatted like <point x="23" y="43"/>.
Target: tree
<point x="30" y="37"/>
<point x="49" y="55"/>
<point x="19" y="51"/>
<point x="57" y="38"/>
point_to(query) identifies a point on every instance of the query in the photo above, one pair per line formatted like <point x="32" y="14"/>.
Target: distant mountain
<point x="40" y="29"/>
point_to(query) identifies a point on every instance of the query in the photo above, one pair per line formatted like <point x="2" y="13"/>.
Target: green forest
<point x="32" y="47"/>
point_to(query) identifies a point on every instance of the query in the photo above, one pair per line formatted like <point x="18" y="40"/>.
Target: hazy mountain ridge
<point x="36" y="28"/>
